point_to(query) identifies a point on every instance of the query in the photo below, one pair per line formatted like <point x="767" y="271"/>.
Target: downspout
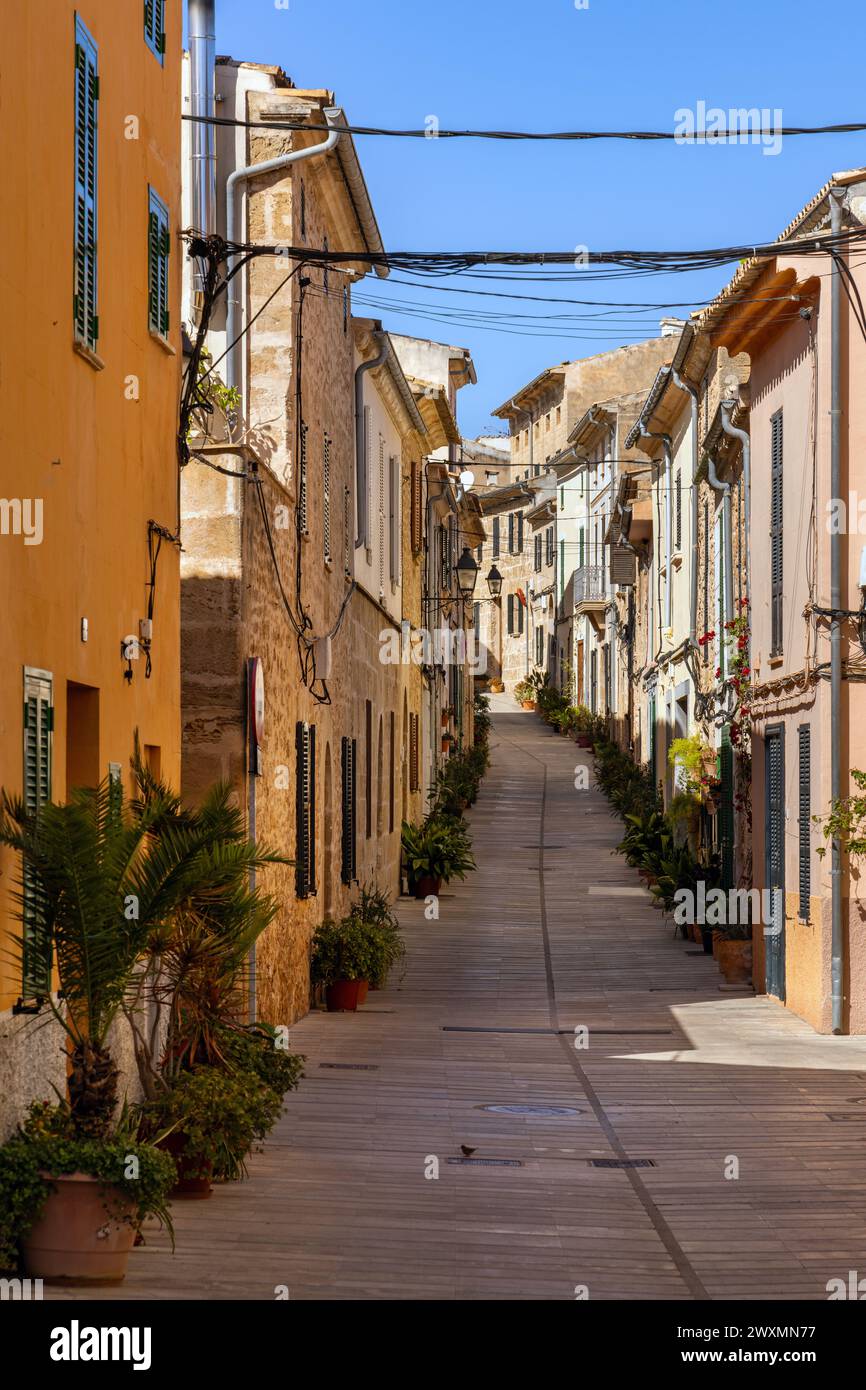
<point x="743" y="436"/>
<point x="693" y="610"/>
<point x="361" y="460"/>
<point x="725" y="489"/>
<point x="202" y="48"/>
<point x="836" y="945"/>
<point x="668" y="453"/>
<point x="234" y="223"/>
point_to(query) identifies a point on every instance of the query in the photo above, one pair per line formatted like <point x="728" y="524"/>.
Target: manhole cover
<point x="349" y="1066"/>
<point x="487" y="1162"/>
<point x="622" y="1163"/>
<point x="530" y="1109"/>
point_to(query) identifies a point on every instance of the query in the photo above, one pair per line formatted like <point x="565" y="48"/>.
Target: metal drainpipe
<point x="235" y="179"/>
<point x="727" y="408"/>
<point x="693" y="614"/>
<point x="202" y="47"/>
<point x="361" y="460"/>
<point x="668" y="452"/>
<point x="725" y="489"/>
<point x="836" y="943"/>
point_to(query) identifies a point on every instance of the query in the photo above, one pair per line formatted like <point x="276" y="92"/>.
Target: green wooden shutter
<point x="84" y="304"/>
<point x="158" y="248"/>
<point x="154" y="27"/>
<point x="804" y="823"/>
<point x="38" y="747"/>
<point x="305" y="832"/>
<point x="776" y="549"/>
<point x="348" y="750"/>
<point x="726" y="810"/>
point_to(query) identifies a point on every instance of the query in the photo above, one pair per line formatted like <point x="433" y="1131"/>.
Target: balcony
<point x="590" y="594"/>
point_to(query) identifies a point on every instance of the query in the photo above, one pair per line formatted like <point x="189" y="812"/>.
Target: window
<point x="776" y="552"/>
<point x="539" y="646"/>
<point x="805" y="819"/>
<point x="368" y="769"/>
<point x="394" y="519"/>
<point x="561" y="568"/>
<point x="537" y="556"/>
<point x="305" y="810"/>
<point x="496" y="538"/>
<point x="511" y="536"/>
<point x="520" y="533"/>
<point x="512" y="601"/>
<point x="347" y="532"/>
<point x="38" y="748"/>
<point x="707" y="619"/>
<point x="302" y="483"/>
<point x="303" y="211"/>
<point x="549" y="547"/>
<point x="154" y="27"/>
<point x="84" y="311"/>
<point x="559" y="414"/>
<point x="381" y="517"/>
<point x="581" y="548"/>
<point x="158" y="247"/>
<point x="415" y="506"/>
<point x="348" y="760"/>
<point x="414" y="779"/>
<point x="678" y="514"/>
<point x="391" y="756"/>
<point x="326" y="498"/>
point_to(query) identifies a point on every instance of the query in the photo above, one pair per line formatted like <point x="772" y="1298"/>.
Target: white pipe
<point x="202" y="47"/>
<point x="693" y="612"/>
<point x="743" y="436"/>
<point x="234" y="222"/>
<point x="362" y="463"/>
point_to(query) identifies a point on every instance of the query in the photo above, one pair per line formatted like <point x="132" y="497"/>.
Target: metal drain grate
<point x="349" y="1066"/>
<point x="621" y="1162"/>
<point x="530" y="1109"/>
<point x="487" y="1162"/>
<point x="567" y="1032"/>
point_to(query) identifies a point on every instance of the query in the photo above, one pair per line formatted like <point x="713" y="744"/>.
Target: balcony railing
<point x="590" y="585"/>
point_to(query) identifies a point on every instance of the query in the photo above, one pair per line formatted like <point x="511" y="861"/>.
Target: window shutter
<point x="38" y="748"/>
<point x="776" y="547"/>
<point x="347" y="532"/>
<point x="537" y="557"/>
<point x="415" y="507"/>
<point x="348" y="750"/>
<point x="302" y="483"/>
<point x="511" y="533"/>
<point x="707" y="580"/>
<point x="805" y="819"/>
<point x="154" y="26"/>
<point x="391" y="774"/>
<point x="510" y="613"/>
<point x="86" y="322"/>
<point x="158" y="246"/>
<point x="678" y="530"/>
<point x="394" y="518"/>
<point x="519" y="618"/>
<point x="496" y="537"/>
<point x="326" y="498"/>
<point x="305" y="834"/>
<point x="381" y="517"/>
<point x="520" y="533"/>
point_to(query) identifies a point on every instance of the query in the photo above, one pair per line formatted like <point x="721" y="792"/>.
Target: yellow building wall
<point x="93" y="441"/>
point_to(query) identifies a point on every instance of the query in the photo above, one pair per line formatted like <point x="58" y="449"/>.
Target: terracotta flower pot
<point x="342" y="996"/>
<point x="77" y="1238"/>
<point x="735" y="961"/>
<point x="427" y="886"/>
<point x="527" y="704"/>
<point x="193" y="1173"/>
<point x="363" y="986"/>
<point x="584" y="741"/>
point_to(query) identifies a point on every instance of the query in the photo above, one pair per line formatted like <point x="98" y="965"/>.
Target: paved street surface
<point x="552" y="933"/>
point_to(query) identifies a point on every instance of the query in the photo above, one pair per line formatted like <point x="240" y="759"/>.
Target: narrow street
<point x="551" y="933"/>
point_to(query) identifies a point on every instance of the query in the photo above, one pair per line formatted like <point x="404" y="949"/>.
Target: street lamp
<point x="467" y="573"/>
<point x="494" y="582"/>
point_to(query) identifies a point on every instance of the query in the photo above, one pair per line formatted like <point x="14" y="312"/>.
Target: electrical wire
<point x="697" y="137"/>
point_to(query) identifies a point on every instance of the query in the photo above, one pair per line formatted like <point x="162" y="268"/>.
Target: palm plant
<point x="100" y="893"/>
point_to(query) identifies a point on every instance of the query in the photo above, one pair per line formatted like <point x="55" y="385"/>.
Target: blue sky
<point x="617" y="64"/>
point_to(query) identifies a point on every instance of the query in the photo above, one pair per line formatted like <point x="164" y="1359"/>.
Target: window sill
<point x="162" y="342"/>
<point x="677" y="560"/>
<point x="329" y="564"/>
<point x="89" y="355"/>
<point x="775" y="661"/>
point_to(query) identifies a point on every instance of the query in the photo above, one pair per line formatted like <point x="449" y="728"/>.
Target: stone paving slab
<point x="679" y="1072"/>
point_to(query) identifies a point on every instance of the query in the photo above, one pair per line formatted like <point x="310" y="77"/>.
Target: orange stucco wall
<point x="95" y="445"/>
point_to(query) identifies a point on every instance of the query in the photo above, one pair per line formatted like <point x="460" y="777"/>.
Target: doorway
<point x="774" y="850"/>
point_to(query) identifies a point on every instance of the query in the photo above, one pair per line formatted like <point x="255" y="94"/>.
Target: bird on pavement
<point x="466" y="1151"/>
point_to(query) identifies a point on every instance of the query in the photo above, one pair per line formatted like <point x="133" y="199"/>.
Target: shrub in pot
<point x="210" y="1120"/>
<point x="525" y="693"/>
<point x="345" y="954"/>
<point x="70" y="1205"/>
<point x="373" y="908"/>
<point x="82" y="864"/>
<point x="436" y="851"/>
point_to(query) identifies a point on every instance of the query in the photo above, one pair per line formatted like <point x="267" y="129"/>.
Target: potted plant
<point x="343" y="958"/>
<point x="436" y="851"/>
<point x="70" y="1205"/>
<point x="373" y="909"/>
<point x="732" y="948"/>
<point x="84" y="864"/>
<point x="209" y="1121"/>
<point x="524" y="694"/>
